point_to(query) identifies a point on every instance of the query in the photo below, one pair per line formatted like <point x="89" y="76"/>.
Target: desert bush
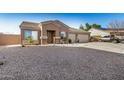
<point x="95" y="38"/>
<point x="29" y="40"/>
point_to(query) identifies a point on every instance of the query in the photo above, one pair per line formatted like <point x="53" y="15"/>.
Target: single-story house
<point x="107" y="32"/>
<point x="48" y="32"/>
<point x="98" y="32"/>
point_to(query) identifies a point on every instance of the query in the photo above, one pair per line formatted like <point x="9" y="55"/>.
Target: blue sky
<point x="9" y="22"/>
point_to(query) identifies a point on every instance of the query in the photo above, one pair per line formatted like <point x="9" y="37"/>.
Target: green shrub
<point x="29" y="40"/>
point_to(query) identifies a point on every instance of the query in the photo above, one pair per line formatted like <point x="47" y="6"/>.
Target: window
<point x="62" y="34"/>
<point x="34" y="35"/>
<point x="31" y="34"/>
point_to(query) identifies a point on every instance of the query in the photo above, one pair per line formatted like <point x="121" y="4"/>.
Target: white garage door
<point x="72" y="37"/>
<point x="83" y="38"/>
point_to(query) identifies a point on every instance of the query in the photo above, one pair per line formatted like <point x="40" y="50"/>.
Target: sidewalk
<point x="105" y="46"/>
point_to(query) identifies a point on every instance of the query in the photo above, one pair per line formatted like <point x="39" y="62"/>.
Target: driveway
<point x="60" y="63"/>
<point x="105" y="46"/>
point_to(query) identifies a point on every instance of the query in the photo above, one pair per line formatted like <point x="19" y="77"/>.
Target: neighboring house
<point x="48" y="32"/>
<point x="107" y="32"/>
<point x="98" y="32"/>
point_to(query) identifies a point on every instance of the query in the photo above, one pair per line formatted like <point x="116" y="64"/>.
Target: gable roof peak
<point x="55" y="21"/>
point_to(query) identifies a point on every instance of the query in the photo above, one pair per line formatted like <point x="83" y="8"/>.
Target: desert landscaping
<point x="53" y="49"/>
<point x="59" y="63"/>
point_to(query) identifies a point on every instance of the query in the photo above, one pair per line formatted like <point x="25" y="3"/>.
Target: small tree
<point x="88" y="26"/>
<point x="96" y="26"/>
<point x="30" y="40"/>
<point x="117" y="25"/>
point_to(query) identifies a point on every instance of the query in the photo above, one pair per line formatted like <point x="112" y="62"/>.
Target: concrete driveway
<point x="104" y="46"/>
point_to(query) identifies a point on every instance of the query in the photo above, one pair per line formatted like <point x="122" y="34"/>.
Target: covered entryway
<point x="50" y="36"/>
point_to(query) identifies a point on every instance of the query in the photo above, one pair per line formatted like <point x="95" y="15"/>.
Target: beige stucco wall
<point x="53" y="27"/>
<point x="8" y="39"/>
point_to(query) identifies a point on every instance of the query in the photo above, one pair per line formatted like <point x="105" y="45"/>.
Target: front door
<point x="50" y="35"/>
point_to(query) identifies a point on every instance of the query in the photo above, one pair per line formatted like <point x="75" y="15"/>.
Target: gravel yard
<point x="60" y="63"/>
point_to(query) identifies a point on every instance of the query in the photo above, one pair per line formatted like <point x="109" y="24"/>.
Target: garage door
<point x="72" y="37"/>
<point x="83" y="38"/>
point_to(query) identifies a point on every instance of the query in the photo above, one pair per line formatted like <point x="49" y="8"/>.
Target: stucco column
<point x="41" y="34"/>
<point x="22" y="36"/>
